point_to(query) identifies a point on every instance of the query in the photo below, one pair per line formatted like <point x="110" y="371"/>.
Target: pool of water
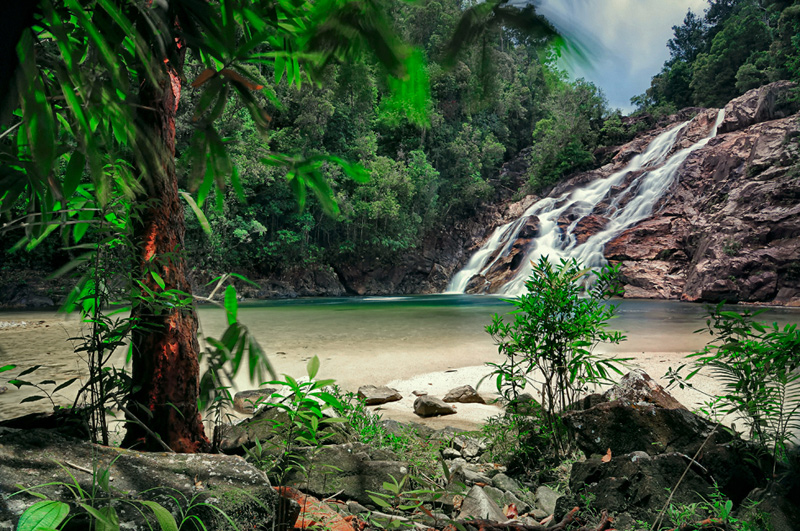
<point x="359" y="340"/>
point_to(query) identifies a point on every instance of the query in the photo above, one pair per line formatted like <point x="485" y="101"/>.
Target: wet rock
<point x="589" y="226"/>
<point x="730" y="227"/>
<point x="759" y="105"/>
<point x="373" y="395"/>
<point x="478" y="505"/>
<point x="466" y="394"/>
<point x="36" y="457"/>
<point x="428" y="406"/>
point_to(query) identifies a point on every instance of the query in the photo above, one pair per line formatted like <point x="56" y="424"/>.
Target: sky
<point x="626" y="40"/>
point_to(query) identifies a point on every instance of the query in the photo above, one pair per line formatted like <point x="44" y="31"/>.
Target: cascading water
<point x="631" y="203"/>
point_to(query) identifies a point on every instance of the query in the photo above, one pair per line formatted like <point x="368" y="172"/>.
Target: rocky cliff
<point x="728" y="227"/>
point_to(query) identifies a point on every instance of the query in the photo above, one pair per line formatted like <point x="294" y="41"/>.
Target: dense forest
<point x="736" y="45"/>
<point x="501" y="95"/>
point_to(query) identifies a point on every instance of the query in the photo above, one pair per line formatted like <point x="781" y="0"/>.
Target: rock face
<point x="728" y="228"/>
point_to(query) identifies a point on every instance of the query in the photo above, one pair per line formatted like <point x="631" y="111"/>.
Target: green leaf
<point x="104" y="521"/>
<point x="29" y="370"/>
<point x="7" y="368"/>
<point x="201" y="218"/>
<point x="43" y="514"/>
<point x="380" y="501"/>
<point x="111" y="522"/>
<point x="163" y="516"/>
<point x="35" y="398"/>
<point x="158" y="280"/>
<point x="231" y="305"/>
<point x="313" y="367"/>
<point x="73" y="173"/>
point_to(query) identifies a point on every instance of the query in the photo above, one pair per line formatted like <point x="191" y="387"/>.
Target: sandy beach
<point x="400" y="359"/>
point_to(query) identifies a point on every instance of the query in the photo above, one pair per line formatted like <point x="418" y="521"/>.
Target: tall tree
<point x="688" y="40"/>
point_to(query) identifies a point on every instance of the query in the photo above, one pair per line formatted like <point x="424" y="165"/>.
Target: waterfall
<point x="613" y="201"/>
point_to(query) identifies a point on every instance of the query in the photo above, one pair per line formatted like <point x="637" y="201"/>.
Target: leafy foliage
<point x="736" y="46"/>
<point x="758" y="367"/>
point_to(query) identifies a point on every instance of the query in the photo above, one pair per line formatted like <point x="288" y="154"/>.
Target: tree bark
<point x="165" y="369"/>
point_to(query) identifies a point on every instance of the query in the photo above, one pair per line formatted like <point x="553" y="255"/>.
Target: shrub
<point x="550" y="342"/>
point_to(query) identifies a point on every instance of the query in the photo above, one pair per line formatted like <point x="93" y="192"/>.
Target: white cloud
<point x="626" y="39"/>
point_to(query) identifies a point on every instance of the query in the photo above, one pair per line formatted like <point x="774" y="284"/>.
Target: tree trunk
<point x="165" y="347"/>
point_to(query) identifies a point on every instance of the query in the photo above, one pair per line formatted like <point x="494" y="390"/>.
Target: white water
<point x="641" y="194"/>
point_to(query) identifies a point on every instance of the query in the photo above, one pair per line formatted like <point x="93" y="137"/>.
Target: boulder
<point x="30" y="458"/>
<point x="503" y="498"/>
<point x="624" y="427"/>
<point x="638" y="485"/>
<point x="637" y="387"/>
<point x="466" y="394"/>
<point x="373" y="395"/>
<point x="348" y="470"/>
<point x="505" y="483"/>
<point x="477" y="505"/>
<point x="428" y="406"/>
<point x="546" y="499"/>
<point x="269" y="425"/>
<point x="248" y="401"/>
<point x="643" y="419"/>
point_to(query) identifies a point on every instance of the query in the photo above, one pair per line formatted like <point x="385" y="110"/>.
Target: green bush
<point x="550" y="342"/>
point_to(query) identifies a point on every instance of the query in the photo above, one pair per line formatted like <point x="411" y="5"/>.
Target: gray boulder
<point x="374" y="396"/>
<point x="348" y="469"/>
<point x="503" y="498"/>
<point x="546" y="499"/>
<point x="477" y="505"/>
<point x="428" y="406"/>
<point x="507" y="484"/>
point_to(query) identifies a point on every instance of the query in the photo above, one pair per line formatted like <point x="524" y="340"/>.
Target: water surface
<point x="361" y="340"/>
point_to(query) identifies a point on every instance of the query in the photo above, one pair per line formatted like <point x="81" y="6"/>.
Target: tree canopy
<point x="735" y="46"/>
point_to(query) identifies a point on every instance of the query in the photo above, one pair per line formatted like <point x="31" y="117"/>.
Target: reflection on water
<point x="361" y="340"/>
